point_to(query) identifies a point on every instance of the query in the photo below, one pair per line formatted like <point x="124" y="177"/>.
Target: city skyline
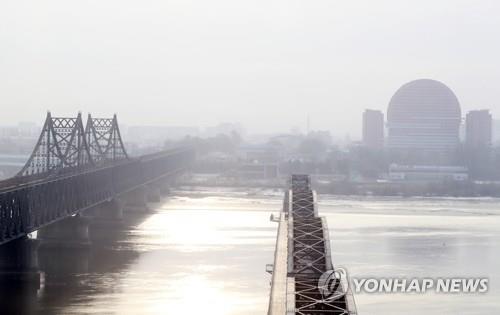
<point x="210" y="130"/>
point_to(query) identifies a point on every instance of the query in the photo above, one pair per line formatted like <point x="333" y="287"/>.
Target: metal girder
<point x="72" y="169"/>
<point x="309" y="253"/>
<point x="104" y="139"/>
<point x="29" y="206"/>
<point x="61" y="145"/>
<point x="65" y="146"/>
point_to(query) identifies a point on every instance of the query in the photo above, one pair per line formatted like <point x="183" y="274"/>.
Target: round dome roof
<point x="423" y="99"/>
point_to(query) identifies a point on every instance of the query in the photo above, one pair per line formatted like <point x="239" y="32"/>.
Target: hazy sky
<point x="264" y="63"/>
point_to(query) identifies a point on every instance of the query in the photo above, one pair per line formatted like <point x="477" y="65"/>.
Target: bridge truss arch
<point x="73" y="168"/>
<point x="104" y="139"/>
<point x="65" y="145"/>
<point x="61" y="145"/>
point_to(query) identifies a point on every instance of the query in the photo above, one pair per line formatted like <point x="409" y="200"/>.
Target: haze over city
<point x="225" y="157"/>
<point x="264" y="64"/>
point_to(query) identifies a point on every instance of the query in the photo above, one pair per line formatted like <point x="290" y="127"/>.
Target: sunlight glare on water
<point x="205" y="252"/>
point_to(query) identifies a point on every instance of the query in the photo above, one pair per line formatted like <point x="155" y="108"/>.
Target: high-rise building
<point x="425" y="115"/>
<point x="495" y="130"/>
<point x="373" y="128"/>
<point x="478" y="129"/>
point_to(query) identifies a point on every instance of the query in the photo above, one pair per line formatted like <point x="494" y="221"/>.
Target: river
<point x="204" y="251"/>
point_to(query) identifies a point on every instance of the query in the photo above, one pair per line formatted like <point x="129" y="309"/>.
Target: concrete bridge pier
<point x="136" y="200"/>
<point x="72" y="232"/>
<point x="20" y="277"/>
<point x="63" y="261"/>
<point x="164" y="188"/>
<point x="106" y="220"/>
<point x="111" y="210"/>
<point x="19" y="263"/>
<point x="153" y="192"/>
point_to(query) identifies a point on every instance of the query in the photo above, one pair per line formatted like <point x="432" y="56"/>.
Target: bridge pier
<point x="154" y="194"/>
<point x="164" y="188"/>
<point x="72" y="232"/>
<point x="67" y="261"/>
<point x="136" y="199"/>
<point x="20" y="278"/>
<point x="19" y="262"/>
<point x="106" y="220"/>
<point x="111" y="210"/>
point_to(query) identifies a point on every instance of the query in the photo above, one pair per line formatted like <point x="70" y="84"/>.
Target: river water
<point x="205" y="251"/>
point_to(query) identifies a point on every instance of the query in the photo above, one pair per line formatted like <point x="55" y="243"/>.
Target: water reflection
<point x="418" y="238"/>
<point x="204" y="253"/>
<point x="201" y="255"/>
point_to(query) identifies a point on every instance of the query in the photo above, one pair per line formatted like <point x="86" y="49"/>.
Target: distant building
<point x="424" y="115"/>
<point x="373" y="128"/>
<point x="478" y="132"/>
<point x="224" y="129"/>
<point x="21" y="130"/>
<point x="258" y="161"/>
<point x="259" y="153"/>
<point x="258" y="171"/>
<point x="496" y="130"/>
<point x="478" y="140"/>
<point x="158" y="134"/>
<point x="10" y="164"/>
<point x="427" y="173"/>
<point x="322" y="135"/>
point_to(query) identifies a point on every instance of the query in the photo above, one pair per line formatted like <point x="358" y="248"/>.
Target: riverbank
<point x="373" y="188"/>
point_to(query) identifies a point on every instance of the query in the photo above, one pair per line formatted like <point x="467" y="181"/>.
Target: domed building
<point x="425" y="115"/>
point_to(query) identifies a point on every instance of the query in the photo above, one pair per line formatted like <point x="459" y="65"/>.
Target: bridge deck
<point x="302" y="256"/>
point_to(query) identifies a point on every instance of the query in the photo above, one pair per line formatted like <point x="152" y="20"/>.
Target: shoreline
<point x="466" y="189"/>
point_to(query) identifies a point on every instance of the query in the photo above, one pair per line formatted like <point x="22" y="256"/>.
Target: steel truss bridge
<point x="302" y="256"/>
<point x="73" y="168"/>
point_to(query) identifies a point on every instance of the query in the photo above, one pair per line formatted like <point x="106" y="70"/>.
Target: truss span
<point x="307" y="245"/>
<point x="65" y="145"/>
<point x="104" y="139"/>
<point x="73" y="168"/>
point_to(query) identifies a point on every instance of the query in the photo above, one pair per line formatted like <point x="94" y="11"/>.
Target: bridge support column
<point x="136" y="199"/>
<point x="111" y="210"/>
<point x="19" y="262"/>
<point x="154" y="193"/>
<point x="164" y="188"/>
<point x="72" y="232"/>
<point x="20" y="277"/>
<point x="67" y="261"/>
<point x="106" y="220"/>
